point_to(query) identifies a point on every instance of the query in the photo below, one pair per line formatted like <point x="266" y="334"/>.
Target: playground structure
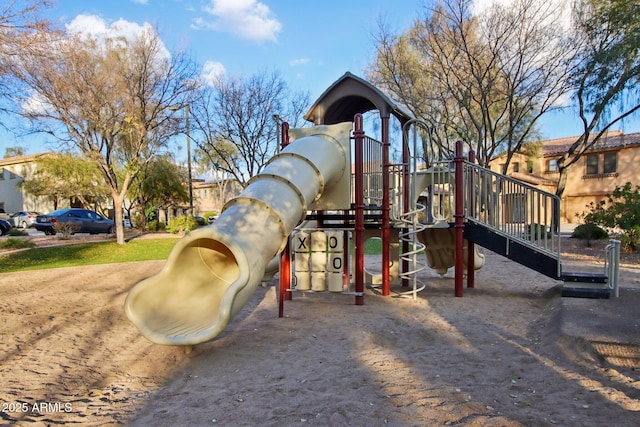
<point x="328" y="191"/>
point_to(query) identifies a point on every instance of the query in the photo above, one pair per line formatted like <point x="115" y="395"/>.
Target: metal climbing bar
<point x="372" y="189"/>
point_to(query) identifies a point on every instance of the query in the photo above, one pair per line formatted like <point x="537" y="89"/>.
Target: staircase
<point x="521" y="222"/>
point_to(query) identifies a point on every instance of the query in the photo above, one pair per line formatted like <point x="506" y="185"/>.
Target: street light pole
<point x="186" y="114"/>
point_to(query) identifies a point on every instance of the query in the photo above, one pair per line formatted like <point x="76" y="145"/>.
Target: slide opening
<point x="185" y="297"/>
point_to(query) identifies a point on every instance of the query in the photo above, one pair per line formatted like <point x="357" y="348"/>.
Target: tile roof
<point x="611" y="140"/>
<point x="21" y="159"/>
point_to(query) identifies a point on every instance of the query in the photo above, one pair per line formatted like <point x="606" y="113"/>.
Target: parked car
<point x="4" y="227"/>
<point x="83" y="220"/>
<point x="23" y="219"/>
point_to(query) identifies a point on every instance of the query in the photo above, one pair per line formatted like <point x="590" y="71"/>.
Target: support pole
<point x="458" y="161"/>
<point x="470" y="245"/>
<point x="285" y="257"/>
<point x="358" y="134"/>
<point x="347" y="253"/>
<point x="406" y="203"/>
<point x="285" y="279"/>
<point x="386" y="222"/>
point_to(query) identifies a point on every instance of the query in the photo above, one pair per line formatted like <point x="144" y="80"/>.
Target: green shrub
<point x="182" y="224"/>
<point x="17" y="232"/>
<point x="155" y="226"/>
<point x="65" y="229"/>
<point x="589" y="231"/>
<point x="16" y="243"/>
<point x="620" y="211"/>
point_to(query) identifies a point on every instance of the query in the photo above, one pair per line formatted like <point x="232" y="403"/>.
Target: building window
<point x="592" y="164"/>
<point x="552" y="165"/>
<point x="1" y="174"/>
<point x="610" y="163"/>
<point x="516" y="167"/>
<point x="530" y="166"/>
<point x="12" y="175"/>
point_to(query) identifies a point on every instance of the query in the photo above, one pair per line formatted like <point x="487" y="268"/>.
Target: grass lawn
<point x="86" y="254"/>
<point x="105" y="253"/>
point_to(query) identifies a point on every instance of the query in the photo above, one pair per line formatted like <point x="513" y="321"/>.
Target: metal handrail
<point x="509" y="207"/>
<point x="612" y="265"/>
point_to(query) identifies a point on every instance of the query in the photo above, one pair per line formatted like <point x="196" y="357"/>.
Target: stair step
<point x="578" y="277"/>
<point x="579" y="292"/>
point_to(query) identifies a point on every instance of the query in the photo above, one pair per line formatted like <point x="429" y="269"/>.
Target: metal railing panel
<point x="513" y="209"/>
<point x="612" y="265"/>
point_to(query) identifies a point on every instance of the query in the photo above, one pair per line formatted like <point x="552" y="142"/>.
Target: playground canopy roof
<point x="350" y="95"/>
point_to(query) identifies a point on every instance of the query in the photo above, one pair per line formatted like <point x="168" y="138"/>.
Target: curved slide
<point x="212" y="272"/>
<point x="440" y="249"/>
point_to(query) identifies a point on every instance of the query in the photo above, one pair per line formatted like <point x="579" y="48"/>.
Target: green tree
<point x="13" y="151"/>
<point x="67" y="177"/>
<point x="159" y="185"/>
<point x="606" y="75"/>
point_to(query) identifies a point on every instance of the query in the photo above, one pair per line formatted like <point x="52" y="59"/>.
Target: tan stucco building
<point x="614" y="161"/>
<point x="14" y="170"/>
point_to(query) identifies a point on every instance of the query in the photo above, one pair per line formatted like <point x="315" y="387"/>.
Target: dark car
<point x="23" y="219"/>
<point x="4" y="227"/>
<point x="80" y="220"/>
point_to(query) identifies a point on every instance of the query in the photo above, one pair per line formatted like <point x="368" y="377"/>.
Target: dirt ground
<point x="511" y="352"/>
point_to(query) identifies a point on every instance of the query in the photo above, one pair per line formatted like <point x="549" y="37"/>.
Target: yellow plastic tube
<point x="212" y="272"/>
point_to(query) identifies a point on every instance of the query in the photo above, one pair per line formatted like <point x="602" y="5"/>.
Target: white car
<point x="23" y="219"/>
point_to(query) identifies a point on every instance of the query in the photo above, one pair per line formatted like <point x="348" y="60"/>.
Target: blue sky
<point x="310" y="43"/>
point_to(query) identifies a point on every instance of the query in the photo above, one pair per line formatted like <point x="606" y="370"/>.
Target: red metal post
<point x="470" y="246"/>
<point x="285" y="279"/>
<point x="346" y="253"/>
<point x="358" y="134"/>
<point x="284" y="134"/>
<point x="285" y="258"/>
<point x="458" y="161"/>
<point x="386" y="222"/>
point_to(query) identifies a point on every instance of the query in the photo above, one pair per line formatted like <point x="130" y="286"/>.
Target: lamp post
<point x="186" y="115"/>
<point x="278" y="120"/>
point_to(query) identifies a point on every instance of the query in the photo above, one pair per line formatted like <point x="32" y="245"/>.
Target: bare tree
<point x="107" y="98"/>
<point x="235" y="121"/>
<point x="485" y="79"/>
<point x="18" y="18"/>
<point x="607" y="72"/>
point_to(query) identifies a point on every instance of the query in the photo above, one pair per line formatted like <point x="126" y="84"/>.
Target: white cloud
<point x="212" y="71"/>
<point x="564" y="17"/>
<point x="95" y="26"/>
<point x="87" y="24"/>
<point x="247" y="19"/>
<point x="35" y="104"/>
<point x="298" y="61"/>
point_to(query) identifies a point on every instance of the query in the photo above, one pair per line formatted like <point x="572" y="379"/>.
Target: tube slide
<point x="212" y="272"/>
